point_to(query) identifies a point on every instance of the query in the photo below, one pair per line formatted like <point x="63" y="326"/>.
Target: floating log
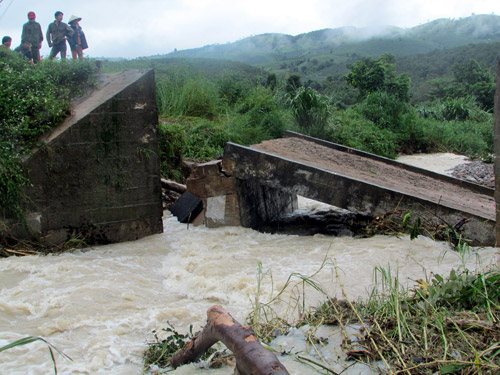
<point x="251" y="357"/>
<point x="174" y="186"/>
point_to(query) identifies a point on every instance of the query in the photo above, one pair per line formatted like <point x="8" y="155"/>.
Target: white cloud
<point x="132" y="28"/>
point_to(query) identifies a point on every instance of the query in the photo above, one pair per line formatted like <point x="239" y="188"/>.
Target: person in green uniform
<point x="32" y="34"/>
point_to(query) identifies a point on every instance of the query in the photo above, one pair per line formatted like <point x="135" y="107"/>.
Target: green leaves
<point x="465" y="290"/>
<point x="32" y="101"/>
<point x="471" y="82"/>
<point x="369" y="76"/>
<point x="311" y="110"/>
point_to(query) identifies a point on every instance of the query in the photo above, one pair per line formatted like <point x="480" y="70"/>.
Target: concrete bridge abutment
<point x="96" y="177"/>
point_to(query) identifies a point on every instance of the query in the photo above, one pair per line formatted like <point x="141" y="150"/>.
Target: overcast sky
<point x="133" y="28"/>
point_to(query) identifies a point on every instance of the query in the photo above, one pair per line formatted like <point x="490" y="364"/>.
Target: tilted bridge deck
<point x="363" y="182"/>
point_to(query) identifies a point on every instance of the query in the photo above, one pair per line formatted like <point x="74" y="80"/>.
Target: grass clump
<point x="160" y="352"/>
<point x="198" y="116"/>
<point x="444" y="325"/>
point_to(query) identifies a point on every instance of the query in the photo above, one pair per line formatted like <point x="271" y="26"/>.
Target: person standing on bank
<point x="32" y="34"/>
<point x="57" y="34"/>
<point x="6" y="42"/>
<point x="77" y="42"/>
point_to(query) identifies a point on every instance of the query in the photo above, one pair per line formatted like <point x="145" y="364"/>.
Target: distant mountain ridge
<point x="273" y="48"/>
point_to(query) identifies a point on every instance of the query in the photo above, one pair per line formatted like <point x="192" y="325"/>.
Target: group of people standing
<point x="57" y="34"/>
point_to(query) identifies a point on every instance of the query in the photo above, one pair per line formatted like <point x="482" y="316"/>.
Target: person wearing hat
<point x="77" y="42"/>
<point x="57" y="34"/>
<point x="32" y="34"/>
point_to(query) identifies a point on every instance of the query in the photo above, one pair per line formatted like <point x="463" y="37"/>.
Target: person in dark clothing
<point x="6" y="42"/>
<point x="25" y="51"/>
<point x="57" y="34"/>
<point x="77" y="42"/>
<point x="32" y="34"/>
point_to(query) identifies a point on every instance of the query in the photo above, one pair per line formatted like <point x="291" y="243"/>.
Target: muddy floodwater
<point x="100" y="305"/>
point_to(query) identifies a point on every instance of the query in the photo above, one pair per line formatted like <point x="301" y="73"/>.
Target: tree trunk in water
<point x="251" y="357"/>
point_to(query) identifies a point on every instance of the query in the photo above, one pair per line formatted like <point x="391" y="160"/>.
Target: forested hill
<point x="337" y="44"/>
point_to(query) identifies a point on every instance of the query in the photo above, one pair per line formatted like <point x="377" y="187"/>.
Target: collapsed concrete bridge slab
<point x="96" y="177"/>
<point x="266" y="179"/>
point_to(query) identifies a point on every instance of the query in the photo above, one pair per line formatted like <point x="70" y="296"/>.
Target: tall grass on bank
<point x="446" y="325"/>
<point x="187" y="96"/>
<point x="209" y="112"/>
<point x="383" y="125"/>
<point x="457" y="125"/>
<point x="199" y="116"/>
<point x="443" y="325"/>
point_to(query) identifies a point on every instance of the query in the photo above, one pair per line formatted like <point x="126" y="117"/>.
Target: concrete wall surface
<point x="218" y="193"/>
<point x="96" y="177"/>
<point x="290" y="178"/>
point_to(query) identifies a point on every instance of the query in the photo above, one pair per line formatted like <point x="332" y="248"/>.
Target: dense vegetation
<point x="424" y="52"/>
<point x="369" y="108"/>
<point x="32" y="101"/>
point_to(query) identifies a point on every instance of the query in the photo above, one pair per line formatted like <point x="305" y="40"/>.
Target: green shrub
<point x="204" y="140"/>
<point x="232" y="88"/>
<point x="170" y="146"/>
<point x="262" y="116"/>
<point x="457" y="125"/>
<point x="388" y="112"/>
<point x="460" y="109"/>
<point x="311" y="110"/>
<point x="474" y="139"/>
<point x="351" y="129"/>
<point x="32" y="101"/>
<point x="384" y="110"/>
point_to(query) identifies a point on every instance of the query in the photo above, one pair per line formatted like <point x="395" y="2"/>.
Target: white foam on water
<point x="100" y="305"/>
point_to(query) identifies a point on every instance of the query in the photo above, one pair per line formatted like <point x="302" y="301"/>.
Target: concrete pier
<point x="96" y="177"/>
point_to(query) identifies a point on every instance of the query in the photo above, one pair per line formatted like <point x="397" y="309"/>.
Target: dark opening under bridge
<point x="253" y="185"/>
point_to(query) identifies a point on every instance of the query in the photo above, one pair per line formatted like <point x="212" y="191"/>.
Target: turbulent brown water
<point x="100" y="305"/>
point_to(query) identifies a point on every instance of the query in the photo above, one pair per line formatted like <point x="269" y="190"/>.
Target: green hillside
<point x="439" y="63"/>
<point x="275" y="48"/>
<point x="424" y="52"/>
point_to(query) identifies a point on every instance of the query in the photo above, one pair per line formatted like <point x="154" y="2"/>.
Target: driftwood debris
<point x="174" y="186"/>
<point x="251" y="357"/>
<point x="171" y="191"/>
